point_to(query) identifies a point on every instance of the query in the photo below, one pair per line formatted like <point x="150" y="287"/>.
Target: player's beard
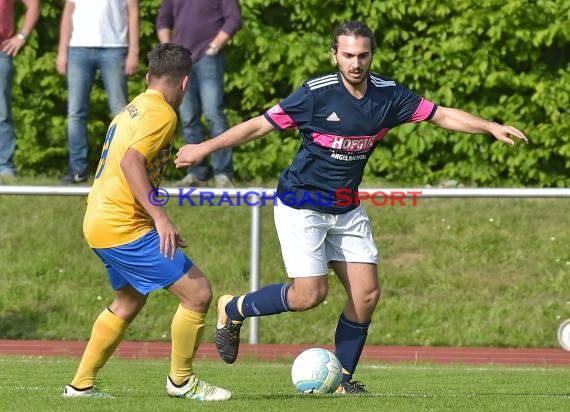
<point x="355" y="81"/>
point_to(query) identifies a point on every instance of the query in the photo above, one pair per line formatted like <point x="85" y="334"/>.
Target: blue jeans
<point x="206" y="95"/>
<point x="7" y="134"/>
<point x="82" y="66"/>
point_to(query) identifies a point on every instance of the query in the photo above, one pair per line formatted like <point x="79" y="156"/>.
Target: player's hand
<point x="502" y="133"/>
<point x="188" y="155"/>
<point x="170" y="239"/>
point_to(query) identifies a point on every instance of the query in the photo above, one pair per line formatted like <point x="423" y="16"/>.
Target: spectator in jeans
<point x="205" y="27"/>
<point x="95" y="35"/>
<point x="10" y="45"/>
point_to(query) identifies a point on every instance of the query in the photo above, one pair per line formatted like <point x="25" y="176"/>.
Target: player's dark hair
<point x="353" y="29"/>
<point x="169" y="59"/>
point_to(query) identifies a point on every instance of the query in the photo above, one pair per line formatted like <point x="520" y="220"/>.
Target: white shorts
<point x="310" y="240"/>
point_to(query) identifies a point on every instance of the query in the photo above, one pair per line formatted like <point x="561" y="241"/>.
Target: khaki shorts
<point x="310" y="240"/>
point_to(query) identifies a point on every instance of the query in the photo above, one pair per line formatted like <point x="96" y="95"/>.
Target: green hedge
<point x="506" y="61"/>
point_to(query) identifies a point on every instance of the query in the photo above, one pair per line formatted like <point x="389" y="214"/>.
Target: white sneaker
<point x="191" y="180"/>
<point x="198" y="390"/>
<point x="71" y="392"/>
<point x="223" y="181"/>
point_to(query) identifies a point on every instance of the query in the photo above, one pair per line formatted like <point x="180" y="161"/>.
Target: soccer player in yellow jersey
<point x="135" y="239"/>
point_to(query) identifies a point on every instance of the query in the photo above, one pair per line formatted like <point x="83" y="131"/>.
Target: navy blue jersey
<point x="339" y="133"/>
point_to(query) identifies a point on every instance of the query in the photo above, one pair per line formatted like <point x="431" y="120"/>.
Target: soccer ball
<point x="316" y="370"/>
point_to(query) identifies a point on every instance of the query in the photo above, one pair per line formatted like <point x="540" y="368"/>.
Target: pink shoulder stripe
<point x="280" y="118"/>
<point x="423" y="111"/>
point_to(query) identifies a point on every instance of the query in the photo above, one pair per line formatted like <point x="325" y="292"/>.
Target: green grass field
<point x="455" y="272"/>
<point x="36" y="384"/>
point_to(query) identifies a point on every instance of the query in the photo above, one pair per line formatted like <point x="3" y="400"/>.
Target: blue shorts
<point x="141" y="265"/>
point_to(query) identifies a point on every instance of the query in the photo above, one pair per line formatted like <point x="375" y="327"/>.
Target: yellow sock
<point x="108" y="331"/>
<point x="186" y="330"/>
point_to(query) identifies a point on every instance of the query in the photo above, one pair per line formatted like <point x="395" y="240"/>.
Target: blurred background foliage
<point x="505" y="61"/>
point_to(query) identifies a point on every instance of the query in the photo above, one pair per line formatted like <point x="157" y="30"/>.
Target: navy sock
<point x="349" y="342"/>
<point x="269" y="300"/>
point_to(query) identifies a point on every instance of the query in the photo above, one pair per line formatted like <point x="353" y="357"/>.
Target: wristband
<point x="213" y="48"/>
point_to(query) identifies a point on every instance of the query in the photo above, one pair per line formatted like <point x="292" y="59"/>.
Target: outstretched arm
<point x="254" y="128"/>
<point x="461" y="121"/>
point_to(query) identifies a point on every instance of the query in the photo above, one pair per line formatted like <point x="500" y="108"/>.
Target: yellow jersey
<point x="114" y="217"/>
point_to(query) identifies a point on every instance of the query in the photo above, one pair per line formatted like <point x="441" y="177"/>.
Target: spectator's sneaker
<point x="197" y="389"/>
<point x="351" y="388"/>
<point x="73" y="177"/>
<point x="92" y="392"/>
<point x="223" y="181"/>
<point x="227" y="332"/>
<point x="191" y="180"/>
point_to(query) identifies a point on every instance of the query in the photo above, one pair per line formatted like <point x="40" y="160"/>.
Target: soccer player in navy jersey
<point x="341" y="118"/>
